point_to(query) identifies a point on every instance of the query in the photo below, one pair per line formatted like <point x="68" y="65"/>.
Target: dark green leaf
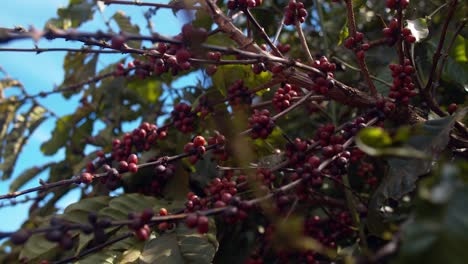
<point x="432" y="138"/>
<point x="182" y="246"/>
<point x="60" y="135"/>
<point x="437" y="233"/>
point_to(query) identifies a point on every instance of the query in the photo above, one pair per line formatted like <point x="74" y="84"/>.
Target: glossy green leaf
<point x="182" y="246"/>
<point x="431" y="138"/>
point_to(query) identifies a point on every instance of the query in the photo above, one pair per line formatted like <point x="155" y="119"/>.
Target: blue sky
<point x="41" y="72"/>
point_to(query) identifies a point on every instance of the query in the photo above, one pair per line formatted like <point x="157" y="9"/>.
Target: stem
<point x="175" y="6"/>
<point x="437" y="54"/>
<point x="303" y="41"/>
<point x="401" y="56"/>
<point x="452" y="41"/>
<point x="262" y="32"/>
<point x="320" y="15"/>
<point x="361" y="60"/>
<point x="355" y="214"/>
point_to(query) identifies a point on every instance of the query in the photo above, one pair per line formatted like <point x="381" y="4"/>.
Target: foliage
<point x="313" y="132"/>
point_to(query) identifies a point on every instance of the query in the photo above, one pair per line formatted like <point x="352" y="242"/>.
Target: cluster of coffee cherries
<point x="201" y="222"/>
<point x="139" y="223"/>
<point x="284" y="95"/>
<point x="243" y="4"/>
<point x="396" y="4"/>
<point x="323" y="84"/>
<point x="161" y="174"/>
<point x="295" y="11"/>
<point x="365" y="171"/>
<point x="357" y="44"/>
<point x="325" y="136"/>
<point x="142" y="139"/>
<point x="392" y="33"/>
<point x="261" y="124"/>
<point x="220" y="152"/>
<point x="310" y="174"/>
<point x="204" y="108"/>
<point x="196" y="149"/>
<point x="183" y="118"/>
<point x="265" y="176"/>
<point x="215" y="56"/>
<point x="60" y="233"/>
<point x="402" y="87"/>
<point x="329" y="230"/>
<point x="239" y="95"/>
<point x="296" y="151"/>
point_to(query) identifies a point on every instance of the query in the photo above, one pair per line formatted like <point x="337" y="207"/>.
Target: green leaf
<point x="149" y="90"/>
<point x="344" y="33"/>
<point x="76" y="13"/>
<point x="226" y="75"/>
<point x="182" y="246"/>
<point x="37" y="247"/>
<point x="78" y="67"/>
<point x="26" y="176"/>
<point x="403" y="173"/>
<point x="22" y="128"/>
<point x="126" y="26"/>
<point x="202" y="20"/>
<point x="376" y="142"/>
<point x="437" y="233"/>
<point x="120" y="206"/>
<point x="59" y="137"/>
<point x="418" y="28"/>
<point x="101" y="256"/>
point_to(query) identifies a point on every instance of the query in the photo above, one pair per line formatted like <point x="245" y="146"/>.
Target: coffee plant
<point x="314" y="132"/>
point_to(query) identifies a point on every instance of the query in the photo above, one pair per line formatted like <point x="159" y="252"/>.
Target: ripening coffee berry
<point x="191" y="220"/>
<point x="132" y="167"/>
<point x="133" y="158"/>
<point x="20" y="237"/>
<point x="199" y="141"/>
<point x="452" y="108"/>
<point x="203" y="224"/>
<point x="86" y="178"/>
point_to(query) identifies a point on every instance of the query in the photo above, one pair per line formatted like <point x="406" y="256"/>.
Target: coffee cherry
<point x="163" y="212"/>
<point x="146" y="215"/>
<point x="452" y="108"/>
<point x="20" y="237"/>
<point x="132" y="159"/>
<point x="66" y="242"/>
<point x="132" y="167"/>
<point x="117" y="41"/>
<point x="199" y="141"/>
<point x="54" y="235"/>
<point x="191" y="220"/>
<point x="86" y="178"/>
<point x="203" y="224"/>
<point x="143" y="233"/>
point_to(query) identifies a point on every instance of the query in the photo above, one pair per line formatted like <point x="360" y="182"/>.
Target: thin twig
<point x="303" y="41"/>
